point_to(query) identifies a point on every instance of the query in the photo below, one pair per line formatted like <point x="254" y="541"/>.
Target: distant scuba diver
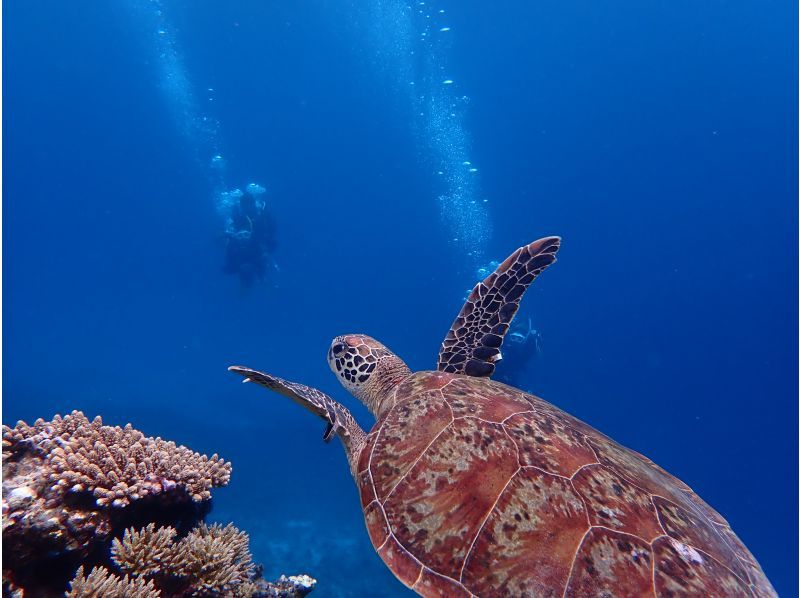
<point x="522" y="344"/>
<point x="250" y="237"/>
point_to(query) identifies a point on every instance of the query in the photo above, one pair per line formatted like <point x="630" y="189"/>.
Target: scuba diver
<point x="250" y="236"/>
<point x="522" y="343"/>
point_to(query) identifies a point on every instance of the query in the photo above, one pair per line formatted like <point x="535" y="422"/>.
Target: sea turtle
<point x="471" y="487"/>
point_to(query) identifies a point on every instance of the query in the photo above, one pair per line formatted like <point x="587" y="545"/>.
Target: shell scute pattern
<point x="433" y="584"/>
<point x="467" y="397"/>
<point x="407" y="431"/>
<point x="694" y="530"/>
<point x="758" y="580"/>
<point x="421" y="382"/>
<point x="637" y="468"/>
<point x="545" y="408"/>
<point x="366" y="489"/>
<point x="364" y="457"/>
<point x="403" y="565"/>
<point x="615" y="503"/>
<point x="377" y="527"/>
<point x="528" y="542"/>
<point x="485" y="490"/>
<point x="682" y="570"/>
<point x="546" y="443"/>
<point x="612" y="564"/>
<point x="437" y="508"/>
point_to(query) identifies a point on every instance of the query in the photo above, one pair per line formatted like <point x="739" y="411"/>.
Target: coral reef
<point x="69" y="483"/>
<point x="102" y="584"/>
<point x="117" y="465"/>
<point x="148" y="552"/>
<point x="75" y="492"/>
<point x="209" y="560"/>
<point x="294" y="586"/>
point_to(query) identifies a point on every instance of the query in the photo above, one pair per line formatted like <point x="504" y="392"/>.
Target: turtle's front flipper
<point x="472" y="346"/>
<point x="339" y="419"/>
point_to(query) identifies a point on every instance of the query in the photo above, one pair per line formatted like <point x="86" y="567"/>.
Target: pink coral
<point x="68" y="482"/>
<point x="117" y="465"/>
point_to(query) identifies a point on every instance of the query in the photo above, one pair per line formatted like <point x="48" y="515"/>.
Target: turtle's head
<point x="367" y="369"/>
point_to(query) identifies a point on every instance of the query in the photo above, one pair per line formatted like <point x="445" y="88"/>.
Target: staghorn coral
<point x="102" y="584"/>
<point x="150" y="551"/>
<point x="117" y="465"/>
<point x="215" y="559"/>
<point x="210" y="560"/>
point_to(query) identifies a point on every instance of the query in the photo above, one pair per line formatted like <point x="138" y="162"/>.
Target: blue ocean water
<point x="658" y="139"/>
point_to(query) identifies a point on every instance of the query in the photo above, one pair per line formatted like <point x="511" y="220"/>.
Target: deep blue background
<point x="657" y="138"/>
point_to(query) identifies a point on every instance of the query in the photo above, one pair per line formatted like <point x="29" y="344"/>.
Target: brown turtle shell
<point x="471" y="487"/>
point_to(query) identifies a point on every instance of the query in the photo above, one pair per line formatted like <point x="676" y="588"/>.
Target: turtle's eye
<point x="338" y="349"/>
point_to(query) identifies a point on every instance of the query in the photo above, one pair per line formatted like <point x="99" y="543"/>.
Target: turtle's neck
<point x="378" y="396"/>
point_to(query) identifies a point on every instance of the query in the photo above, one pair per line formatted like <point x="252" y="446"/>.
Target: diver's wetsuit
<point x="520" y="347"/>
<point x="250" y="239"/>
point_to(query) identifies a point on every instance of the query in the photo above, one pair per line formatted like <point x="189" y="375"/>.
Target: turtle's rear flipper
<point x="339" y="419"/>
<point x="472" y="345"/>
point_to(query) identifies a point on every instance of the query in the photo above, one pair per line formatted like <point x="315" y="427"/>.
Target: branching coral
<point x="211" y="560"/>
<point x="117" y="465"/>
<point x="216" y="558"/>
<point x="70" y="484"/>
<point x="150" y="551"/>
<point x="102" y="584"/>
